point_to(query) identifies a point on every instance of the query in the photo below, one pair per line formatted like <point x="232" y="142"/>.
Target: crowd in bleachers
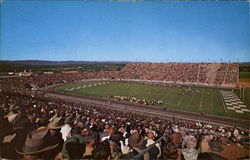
<point x="232" y="74"/>
<point x="184" y="72"/>
<point x="33" y="126"/>
<point x="193" y="73"/>
<point x="221" y="74"/>
<point x="40" y="127"/>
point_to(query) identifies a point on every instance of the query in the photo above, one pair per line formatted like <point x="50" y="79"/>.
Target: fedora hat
<point x="135" y="140"/>
<point x="38" y="141"/>
<point x="56" y="123"/>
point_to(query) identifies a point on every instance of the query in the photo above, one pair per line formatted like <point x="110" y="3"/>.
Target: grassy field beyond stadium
<point x="207" y="100"/>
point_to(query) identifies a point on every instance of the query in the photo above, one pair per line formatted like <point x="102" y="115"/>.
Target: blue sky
<point x="125" y="31"/>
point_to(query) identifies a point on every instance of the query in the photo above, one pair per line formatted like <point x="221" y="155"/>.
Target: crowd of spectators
<point x="221" y="74"/>
<point x="55" y="129"/>
<point x="182" y="72"/>
<point x="191" y="73"/>
<point x="227" y="74"/>
<point x="195" y="73"/>
<point x="232" y="74"/>
<point x="33" y="126"/>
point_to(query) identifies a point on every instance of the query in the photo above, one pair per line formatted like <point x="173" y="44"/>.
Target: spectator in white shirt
<point x="66" y="129"/>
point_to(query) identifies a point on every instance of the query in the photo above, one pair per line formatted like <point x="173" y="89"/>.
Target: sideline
<point x="222" y="100"/>
<point x="152" y="111"/>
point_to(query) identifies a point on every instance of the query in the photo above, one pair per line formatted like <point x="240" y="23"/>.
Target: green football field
<point x="194" y="99"/>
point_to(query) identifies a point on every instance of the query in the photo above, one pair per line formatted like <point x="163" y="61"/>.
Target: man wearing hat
<point x="54" y="129"/>
<point x="14" y="138"/>
<point x="55" y="126"/>
<point x="135" y="142"/>
<point x="155" y="151"/>
<point x="39" y="144"/>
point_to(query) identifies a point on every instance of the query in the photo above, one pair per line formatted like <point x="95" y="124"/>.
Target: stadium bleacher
<point x="57" y="129"/>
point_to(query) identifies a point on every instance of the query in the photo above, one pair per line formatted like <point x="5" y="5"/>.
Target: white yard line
<point x="181" y="99"/>
<point x="222" y="101"/>
<point x="201" y="99"/>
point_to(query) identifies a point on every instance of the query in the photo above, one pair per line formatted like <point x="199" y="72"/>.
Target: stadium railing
<point x="139" y="155"/>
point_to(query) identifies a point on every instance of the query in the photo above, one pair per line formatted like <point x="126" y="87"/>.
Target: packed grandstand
<point x="57" y="129"/>
<point x="206" y="74"/>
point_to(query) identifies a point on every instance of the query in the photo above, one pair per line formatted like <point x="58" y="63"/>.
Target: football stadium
<point x="197" y="94"/>
<point x="187" y="92"/>
<point x="121" y="80"/>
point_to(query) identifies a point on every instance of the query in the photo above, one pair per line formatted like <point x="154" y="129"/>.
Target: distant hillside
<point x="54" y="63"/>
<point x="245" y="67"/>
<point x="37" y="66"/>
<point x="245" y="64"/>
